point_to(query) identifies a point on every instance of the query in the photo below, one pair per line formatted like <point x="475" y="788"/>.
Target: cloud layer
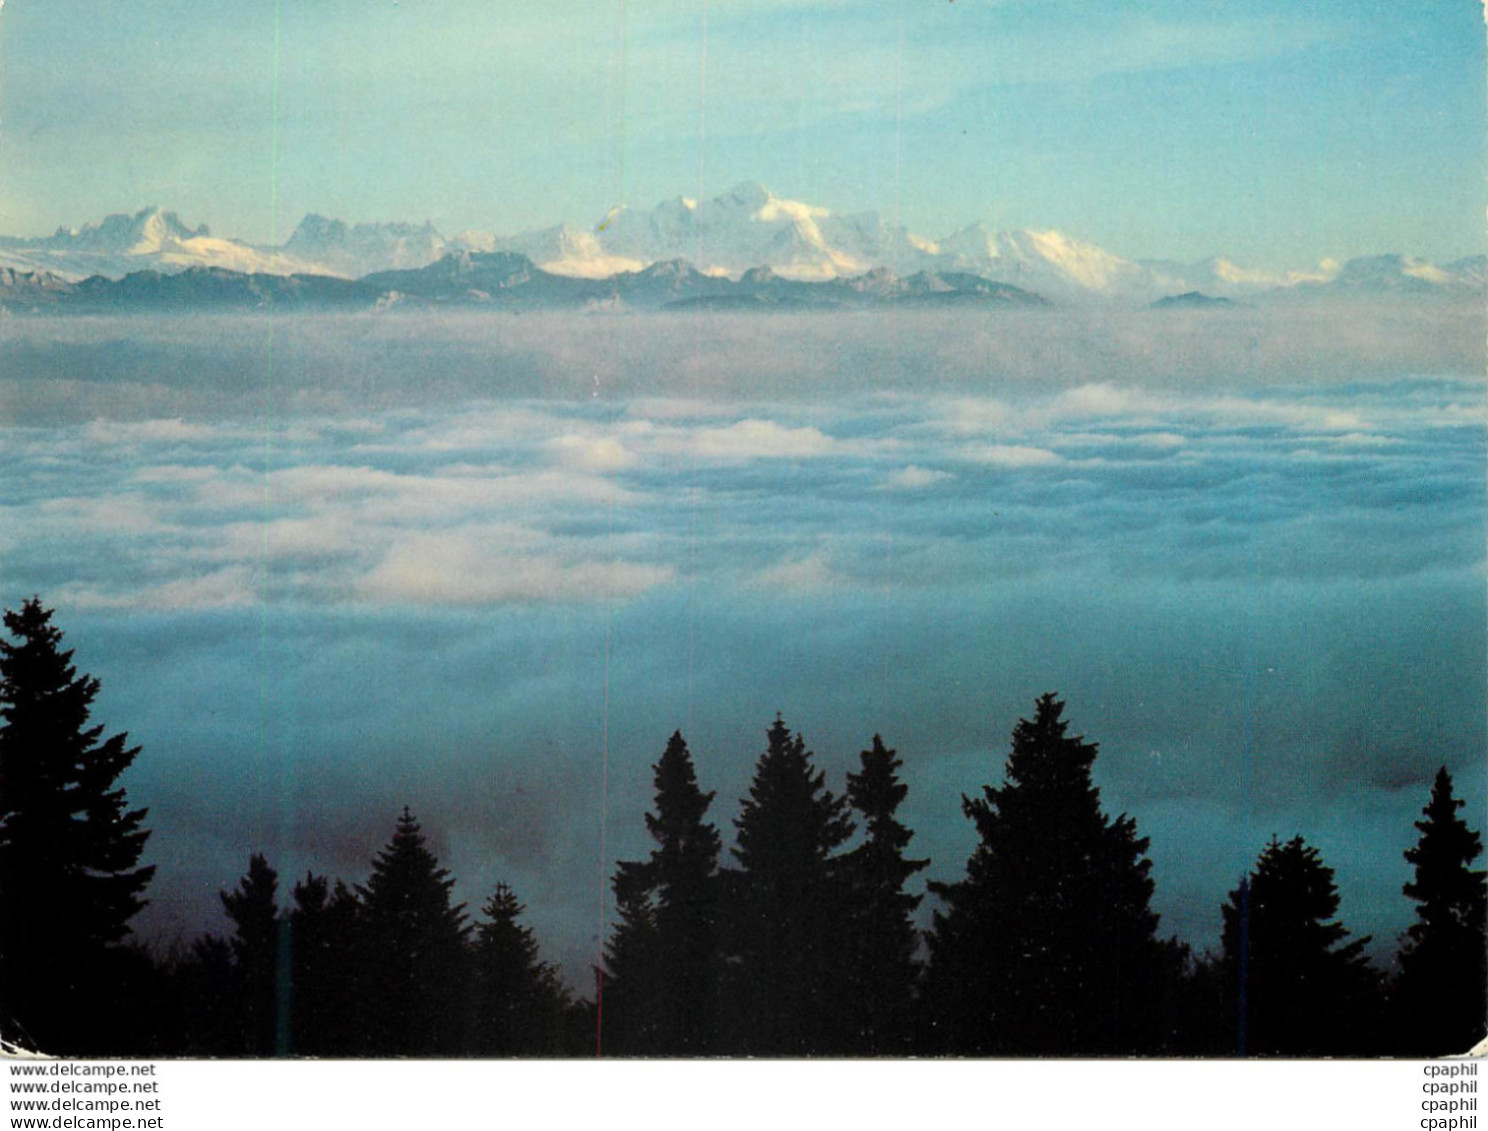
<point x="1264" y="597"/>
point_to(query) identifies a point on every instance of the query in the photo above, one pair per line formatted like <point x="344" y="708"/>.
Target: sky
<point x="484" y="565"/>
<point x="1273" y="131"/>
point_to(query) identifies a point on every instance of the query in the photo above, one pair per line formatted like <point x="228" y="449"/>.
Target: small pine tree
<point x="323" y="997"/>
<point x="258" y="966"/>
<point x="789" y="936"/>
<point x="342" y="976"/>
<point x="881" y="965"/>
<point x="663" y="965"/>
<point x="207" y="984"/>
<point x="520" y="1001"/>
<point x="70" y="879"/>
<point x="632" y="982"/>
<point x="1441" y="998"/>
<point x="1048" y="947"/>
<point x="413" y="941"/>
<point x="1295" y="984"/>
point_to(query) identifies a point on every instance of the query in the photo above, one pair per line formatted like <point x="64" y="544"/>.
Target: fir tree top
<point x="790" y="820"/>
<point x="408" y="886"/>
<point x="876" y="792"/>
<point x="251" y="907"/>
<point x="1045" y="824"/>
<point x="502" y="932"/>
<point x="686" y="852"/>
<point x="1446" y="888"/>
<point x="1291" y="896"/>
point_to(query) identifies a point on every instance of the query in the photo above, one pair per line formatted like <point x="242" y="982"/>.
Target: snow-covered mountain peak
<point x="1046" y="261"/>
<point x="160" y="229"/>
<point x="121" y="233"/>
<point x="150" y="239"/>
<point x="744" y="229"/>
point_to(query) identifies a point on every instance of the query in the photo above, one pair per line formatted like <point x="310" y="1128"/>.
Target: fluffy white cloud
<point x="758" y="439"/>
<point x="231" y="587"/>
<point x="1013" y="456"/>
<point x="106" y="433"/>
<point x="592" y="453"/>
<point x="913" y="478"/>
<point x="466" y="568"/>
<point x="811" y="574"/>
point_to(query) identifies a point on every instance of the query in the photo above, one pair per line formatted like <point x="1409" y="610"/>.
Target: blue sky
<point x="1275" y="132"/>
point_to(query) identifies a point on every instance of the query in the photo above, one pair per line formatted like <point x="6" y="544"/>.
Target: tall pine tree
<point x="1295" y="984"/>
<point x="664" y="965"/>
<point x="789" y="900"/>
<point x="880" y="961"/>
<point x="70" y="879"/>
<point x="1441" y="997"/>
<point x="413" y="941"/>
<point x="1048" y="947"/>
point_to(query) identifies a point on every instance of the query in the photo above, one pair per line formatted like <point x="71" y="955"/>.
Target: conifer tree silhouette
<point x="325" y="1006"/>
<point x="259" y="958"/>
<point x="1048" y="946"/>
<point x="631" y="982"/>
<point x="207" y="984"/>
<point x="342" y="976"/>
<point x="1296" y="985"/>
<point x="1441" y="997"/>
<point x="520" y="1001"/>
<point x="789" y="897"/>
<point x="70" y="879"/>
<point x="663" y="964"/>
<point x="307" y="964"/>
<point x="413" y="942"/>
<point x="880" y="960"/>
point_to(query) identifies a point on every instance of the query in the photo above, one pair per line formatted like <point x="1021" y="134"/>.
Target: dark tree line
<point x="389" y="968"/>
<point x="802" y="941"/>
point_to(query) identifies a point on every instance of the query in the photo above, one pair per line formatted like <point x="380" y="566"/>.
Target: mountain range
<point x="502" y="280"/>
<point x="747" y="247"/>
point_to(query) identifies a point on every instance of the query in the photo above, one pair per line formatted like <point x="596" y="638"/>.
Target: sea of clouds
<point x="485" y="565"/>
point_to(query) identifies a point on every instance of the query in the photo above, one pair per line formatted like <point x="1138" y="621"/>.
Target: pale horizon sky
<point x="1272" y="131"/>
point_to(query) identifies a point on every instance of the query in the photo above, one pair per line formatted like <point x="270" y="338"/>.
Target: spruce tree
<point x="663" y="963"/>
<point x="789" y="898"/>
<point x="324" y="995"/>
<point x="259" y="959"/>
<point x="413" y="943"/>
<point x="207" y="983"/>
<point x="520" y="1001"/>
<point x="342" y="976"/>
<point x="1296" y="985"/>
<point x="307" y="954"/>
<point x="632" y="982"/>
<point x="70" y="879"/>
<point x="880" y="962"/>
<point x="1441" y="997"/>
<point x="1048" y="946"/>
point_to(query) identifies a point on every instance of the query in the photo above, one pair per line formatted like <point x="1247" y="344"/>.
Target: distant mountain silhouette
<point x="745" y="228"/>
<point x="499" y="280"/>
<point x="1190" y="300"/>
